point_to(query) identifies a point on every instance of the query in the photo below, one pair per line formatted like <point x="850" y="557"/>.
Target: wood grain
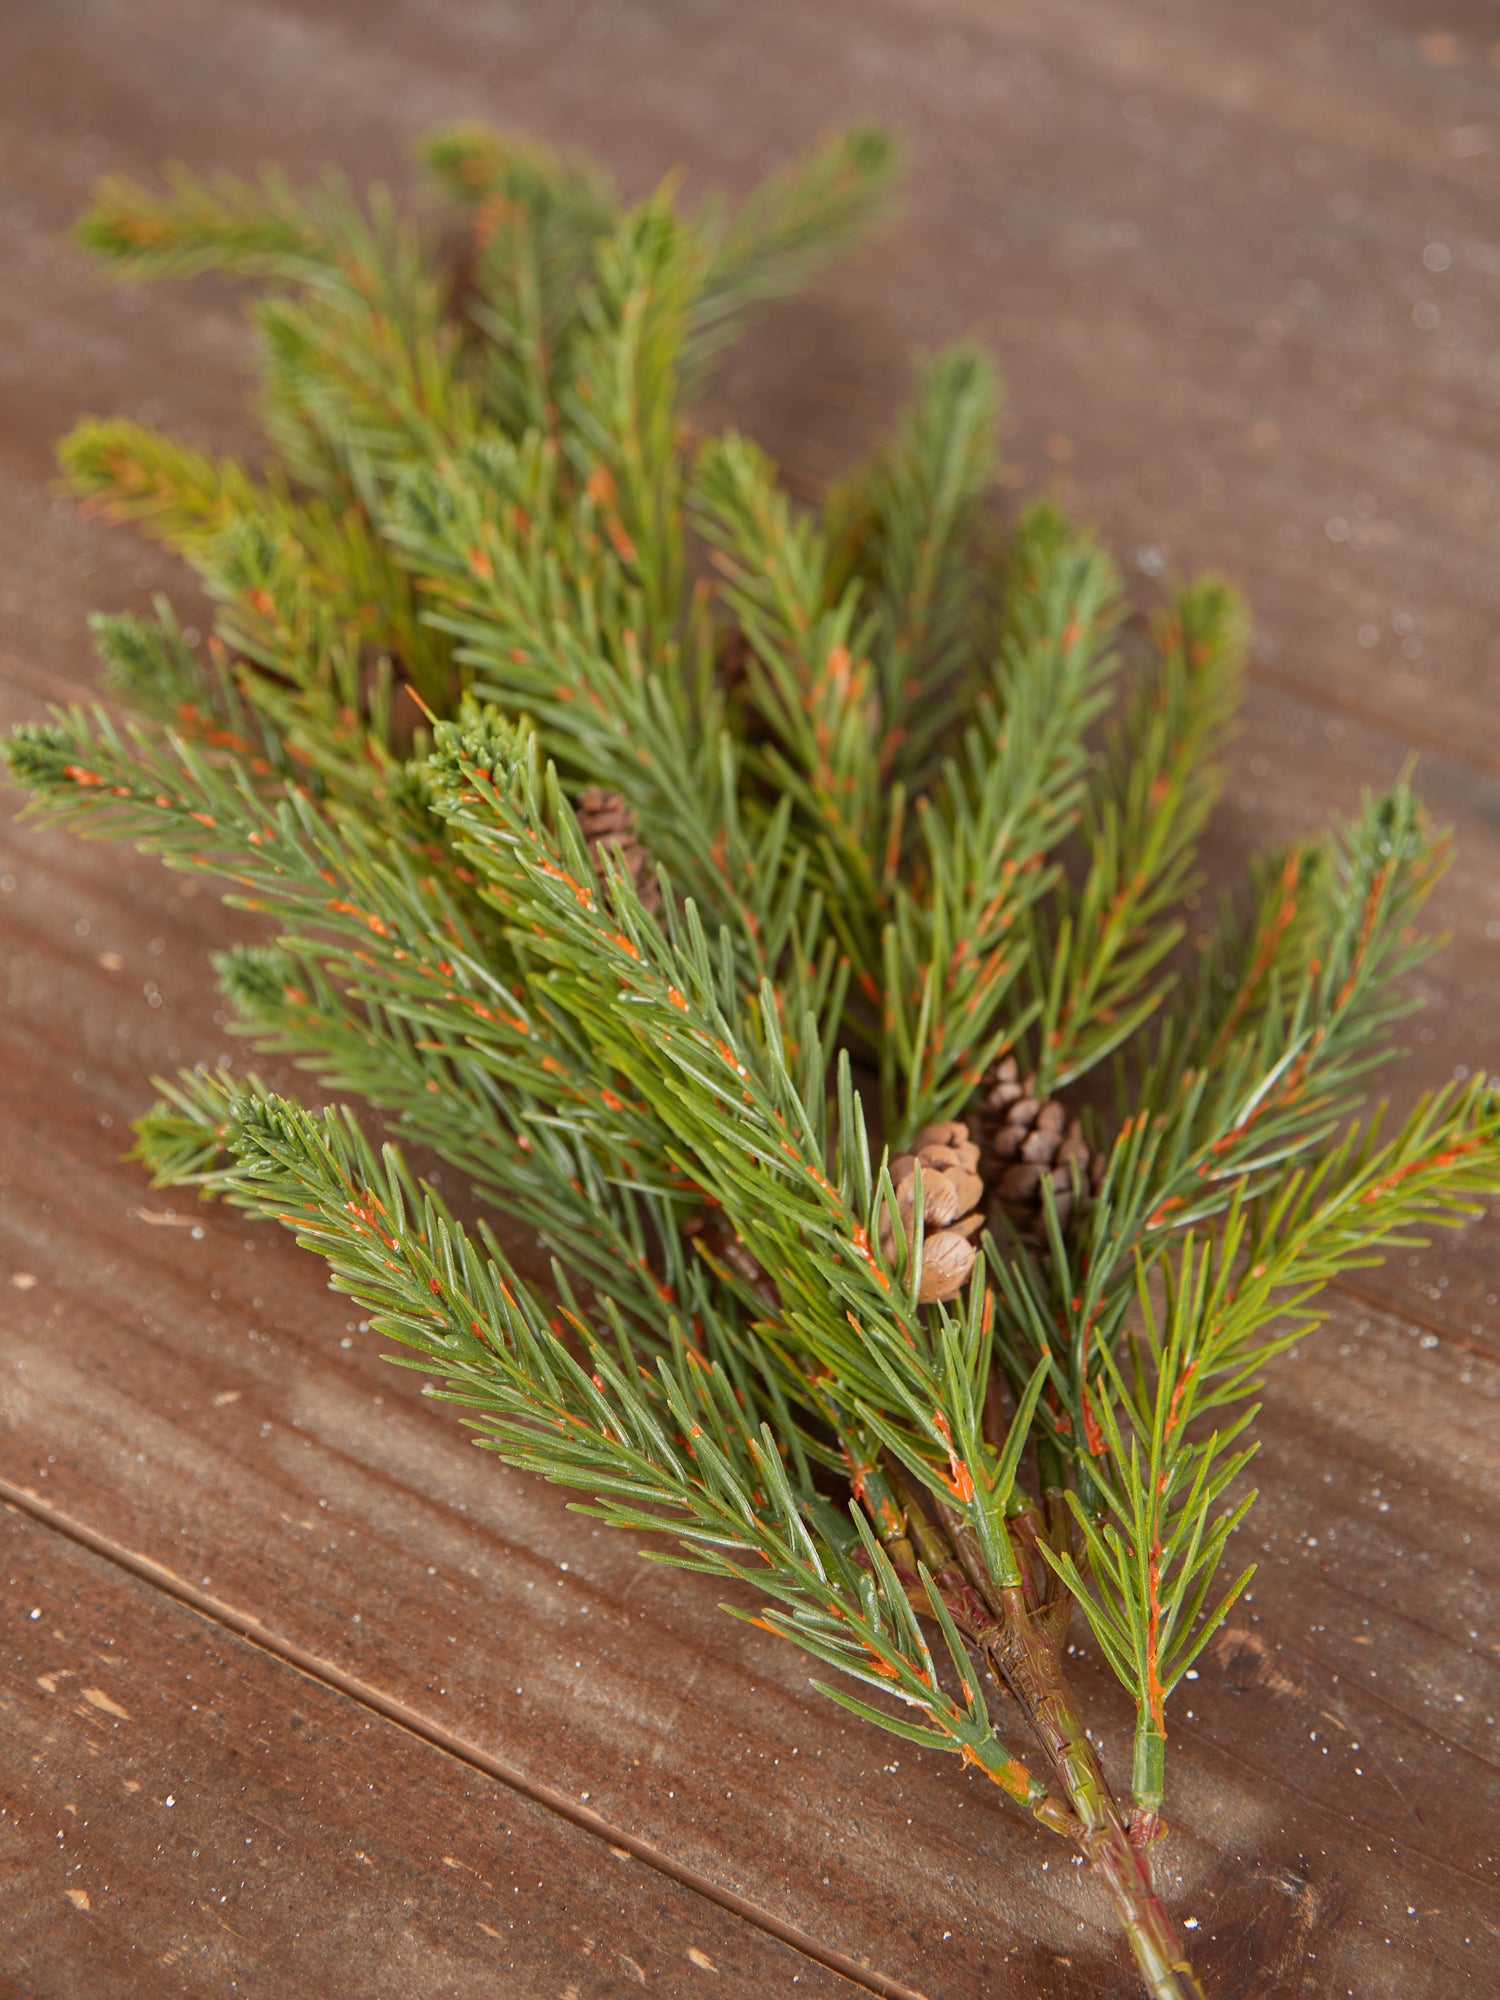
<point x="1196" y="236"/>
<point x="186" y="1815"/>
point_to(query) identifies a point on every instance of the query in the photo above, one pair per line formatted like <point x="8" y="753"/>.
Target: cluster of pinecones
<point x="607" y="823"/>
<point x="1023" y="1141"/>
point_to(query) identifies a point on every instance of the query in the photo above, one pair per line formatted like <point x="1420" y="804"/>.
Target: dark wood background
<point x="300" y="1692"/>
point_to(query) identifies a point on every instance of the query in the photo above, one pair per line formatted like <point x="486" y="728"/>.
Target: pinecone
<point x="605" y="821"/>
<point x="951" y="1191"/>
<point x="1027" y="1139"/>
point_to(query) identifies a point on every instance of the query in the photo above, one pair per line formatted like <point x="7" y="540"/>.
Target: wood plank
<point x="184" y="1814"/>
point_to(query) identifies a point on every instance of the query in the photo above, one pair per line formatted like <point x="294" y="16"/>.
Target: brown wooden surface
<point x="194" y="1818"/>
<point x="1195" y="235"/>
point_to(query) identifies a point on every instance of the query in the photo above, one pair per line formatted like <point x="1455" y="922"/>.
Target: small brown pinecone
<point x="1028" y="1139"/>
<point x="951" y="1192"/>
<point x="605" y="821"/>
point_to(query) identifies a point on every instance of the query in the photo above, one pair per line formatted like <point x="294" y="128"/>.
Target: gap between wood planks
<point x="21" y="1501"/>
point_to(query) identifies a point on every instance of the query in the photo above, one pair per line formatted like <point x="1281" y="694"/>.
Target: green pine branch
<point x="391" y="921"/>
<point x="541" y="220"/>
<point x="1103" y="943"/>
<point x="127" y="472"/>
<point x="1207" y="1134"/>
<point x="264" y="228"/>
<point x="662" y="1449"/>
<point x="908" y="527"/>
<point x="1152" y="1540"/>
<point x="808" y="679"/>
<point x="626" y="892"/>
<point x="957" y="958"/>
<point x="793" y="221"/>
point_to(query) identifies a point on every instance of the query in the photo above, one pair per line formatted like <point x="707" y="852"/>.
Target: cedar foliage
<point x="690" y="915"/>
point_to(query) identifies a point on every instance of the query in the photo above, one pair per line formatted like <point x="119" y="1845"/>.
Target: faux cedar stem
<point x="1158" y="1954"/>
<point x="1029" y="1665"/>
<point x="1022" y="1643"/>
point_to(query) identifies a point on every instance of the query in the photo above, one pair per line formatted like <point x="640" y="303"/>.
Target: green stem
<point x="1024" y="1649"/>
<point x="1146" y="1782"/>
<point x="1158" y="1954"/>
<point x="1030" y="1666"/>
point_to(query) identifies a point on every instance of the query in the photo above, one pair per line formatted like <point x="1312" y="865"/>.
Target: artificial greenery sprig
<point x="471" y="675"/>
